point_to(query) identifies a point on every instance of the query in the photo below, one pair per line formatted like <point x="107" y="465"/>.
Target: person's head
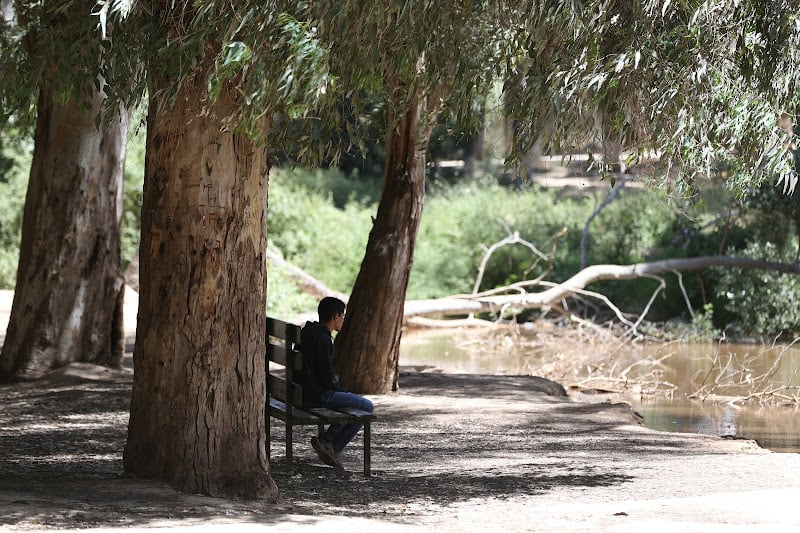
<point x="331" y="312"/>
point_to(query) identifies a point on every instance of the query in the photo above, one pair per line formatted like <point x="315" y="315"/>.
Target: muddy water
<point x="687" y="388"/>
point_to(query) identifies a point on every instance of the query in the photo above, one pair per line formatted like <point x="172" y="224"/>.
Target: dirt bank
<point x="452" y="453"/>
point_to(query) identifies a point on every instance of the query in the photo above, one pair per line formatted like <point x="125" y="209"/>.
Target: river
<point x="675" y="387"/>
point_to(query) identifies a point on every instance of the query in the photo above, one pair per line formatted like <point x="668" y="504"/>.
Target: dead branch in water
<point x="722" y="382"/>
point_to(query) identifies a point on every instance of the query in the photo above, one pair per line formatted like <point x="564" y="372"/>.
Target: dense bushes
<point x="460" y="221"/>
<point x="757" y="302"/>
<point x="307" y="229"/>
<point x="320" y="221"/>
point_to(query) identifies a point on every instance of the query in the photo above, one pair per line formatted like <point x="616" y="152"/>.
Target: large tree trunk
<point x="197" y="409"/>
<point x="368" y="346"/>
<point x="68" y="296"/>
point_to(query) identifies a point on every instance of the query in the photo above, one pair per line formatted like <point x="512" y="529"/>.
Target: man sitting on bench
<point x="321" y="387"/>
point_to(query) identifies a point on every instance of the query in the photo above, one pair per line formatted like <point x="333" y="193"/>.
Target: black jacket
<point x="317" y="375"/>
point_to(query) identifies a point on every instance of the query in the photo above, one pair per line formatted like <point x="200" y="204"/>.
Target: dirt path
<point x="453" y="453"/>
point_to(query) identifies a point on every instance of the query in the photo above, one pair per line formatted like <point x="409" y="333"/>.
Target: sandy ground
<point x="451" y="453"/>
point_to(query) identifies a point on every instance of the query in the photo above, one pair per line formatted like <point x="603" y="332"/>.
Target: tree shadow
<point x="433" y="446"/>
<point x="391" y="493"/>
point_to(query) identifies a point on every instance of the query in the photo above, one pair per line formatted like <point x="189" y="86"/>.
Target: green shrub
<point x="641" y="226"/>
<point x="629" y="229"/>
<point x="13" y="187"/>
<point x="307" y="229"/>
<point x="460" y="222"/>
<point x="756" y="302"/>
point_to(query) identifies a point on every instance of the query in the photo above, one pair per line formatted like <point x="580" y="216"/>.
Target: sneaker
<point x="325" y="452"/>
<point x="338" y="456"/>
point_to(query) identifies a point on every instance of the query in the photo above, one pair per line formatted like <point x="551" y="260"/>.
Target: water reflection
<point x="676" y="387"/>
<point x="775" y="428"/>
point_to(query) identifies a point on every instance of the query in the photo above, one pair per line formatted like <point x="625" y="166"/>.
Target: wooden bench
<point x="284" y="394"/>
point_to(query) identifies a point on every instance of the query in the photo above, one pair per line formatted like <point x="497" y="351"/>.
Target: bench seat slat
<point x="341" y="414"/>
<point x="319" y="415"/>
<point x="300" y="417"/>
<point x="358" y="413"/>
<point x="329" y="415"/>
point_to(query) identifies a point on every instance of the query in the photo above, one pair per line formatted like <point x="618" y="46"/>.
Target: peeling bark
<point x="197" y="409"/>
<point x="69" y="275"/>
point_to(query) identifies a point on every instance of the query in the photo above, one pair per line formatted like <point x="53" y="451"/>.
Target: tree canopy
<point x="702" y="84"/>
<point x="699" y="83"/>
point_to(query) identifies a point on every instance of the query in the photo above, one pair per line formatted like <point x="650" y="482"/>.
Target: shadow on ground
<point x="442" y="440"/>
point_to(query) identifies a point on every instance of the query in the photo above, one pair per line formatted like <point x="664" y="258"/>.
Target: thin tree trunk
<point x="197" y="409"/>
<point x="67" y="299"/>
<point x="475" y="143"/>
<point x="615" y="190"/>
<point x="368" y="346"/>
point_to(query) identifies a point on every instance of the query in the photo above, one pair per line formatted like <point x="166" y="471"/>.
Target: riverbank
<point x="451" y="453"/>
<point x="657" y="379"/>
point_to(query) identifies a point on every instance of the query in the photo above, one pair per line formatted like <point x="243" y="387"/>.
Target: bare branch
<point x="661" y="286"/>
<point x="683" y="292"/>
<point x="514" y="238"/>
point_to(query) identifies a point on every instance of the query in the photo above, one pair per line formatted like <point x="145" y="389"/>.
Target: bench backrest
<point x="283" y="339"/>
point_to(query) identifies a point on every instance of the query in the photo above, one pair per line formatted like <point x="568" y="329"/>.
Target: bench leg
<point x="367" y="448"/>
<point x="289" y="446"/>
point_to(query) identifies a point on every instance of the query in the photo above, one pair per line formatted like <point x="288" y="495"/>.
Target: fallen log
<point x="468" y="304"/>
